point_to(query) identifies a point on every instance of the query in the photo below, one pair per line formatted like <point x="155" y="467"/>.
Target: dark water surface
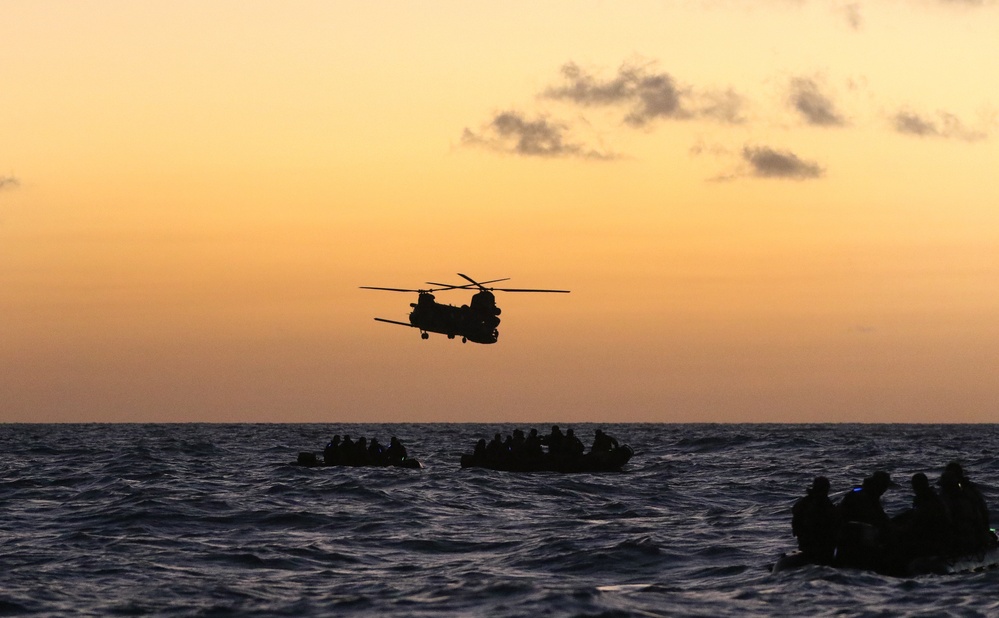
<point x="213" y="520"/>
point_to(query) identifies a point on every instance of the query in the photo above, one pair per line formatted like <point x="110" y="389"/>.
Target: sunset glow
<point x="766" y="210"/>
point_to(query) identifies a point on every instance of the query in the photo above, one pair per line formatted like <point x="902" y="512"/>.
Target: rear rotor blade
<point x="528" y="290"/>
<point x="465" y="286"/>
<point x="467" y="278"/>
<point x="484" y="289"/>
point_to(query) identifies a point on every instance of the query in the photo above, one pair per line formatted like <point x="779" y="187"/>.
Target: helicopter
<point x="475" y="322"/>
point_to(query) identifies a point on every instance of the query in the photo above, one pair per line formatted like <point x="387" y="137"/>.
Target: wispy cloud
<point x="944" y="125"/>
<point x="762" y="162"/>
<point x="649" y="94"/>
<point x="9" y="182"/>
<point x="851" y="12"/>
<point x="514" y="133"/>
<point x="722" y="105"/>
<point x="766" y="162"/>
<point x="965" y="2"/>
<point x="813" y="105"/>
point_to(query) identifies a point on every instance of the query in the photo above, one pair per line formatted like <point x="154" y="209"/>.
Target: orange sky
<point x="766" y="210"/>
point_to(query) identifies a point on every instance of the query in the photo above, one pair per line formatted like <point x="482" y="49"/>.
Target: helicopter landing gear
<point x="425" y="335"/>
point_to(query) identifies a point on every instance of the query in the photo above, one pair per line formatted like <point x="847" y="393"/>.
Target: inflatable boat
<point x="863" y="555"/>
<point x="311" y="460"/>
<point x="606" y="461"/>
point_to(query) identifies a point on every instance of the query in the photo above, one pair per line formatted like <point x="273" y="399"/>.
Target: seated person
<point x="815" y="522"/>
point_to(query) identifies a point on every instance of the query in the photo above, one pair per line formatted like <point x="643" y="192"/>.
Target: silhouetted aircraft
<point x="475" y="322"/>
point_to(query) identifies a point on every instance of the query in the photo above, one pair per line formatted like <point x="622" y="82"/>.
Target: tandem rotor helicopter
<point x="475" y="322"/>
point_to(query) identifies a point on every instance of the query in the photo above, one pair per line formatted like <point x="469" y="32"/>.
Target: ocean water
<point x="214" y="520"/>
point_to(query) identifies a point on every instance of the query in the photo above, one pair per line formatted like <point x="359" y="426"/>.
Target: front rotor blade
<point x="368" y="287"/>
<point x="395" y="322"/>
<point x="450" y="286"/>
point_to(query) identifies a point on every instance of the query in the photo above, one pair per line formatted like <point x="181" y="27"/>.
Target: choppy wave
<point x="214" y="519"/>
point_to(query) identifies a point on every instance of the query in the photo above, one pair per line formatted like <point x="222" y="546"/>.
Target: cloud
<point x="650" y="95"/>
<point x="723" y="106"/>
<point x="965" y="2"/>
<point x="701" y="147"/>
<point x="852" y="14"/>
<point x="913" y="124"/>
<point x="767" y="162"/>
<point x="9" y="182"/>
<point x="513" y="133"/>
<point x="945" y="125"/>
<point x="814" y="106"/>
<point x="585" y="90"/>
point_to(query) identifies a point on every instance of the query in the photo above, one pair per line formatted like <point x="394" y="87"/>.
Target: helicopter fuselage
<point x="474" y="322"/>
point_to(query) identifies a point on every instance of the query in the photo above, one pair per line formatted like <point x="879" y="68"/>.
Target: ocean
<point x="214" y="520"/>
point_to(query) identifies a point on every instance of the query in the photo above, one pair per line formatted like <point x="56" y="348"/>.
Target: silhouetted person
<point x="331" y="454"/>
<point x="863" y="504"/>
<point x="815" y="522"/>
<point x="532" y="447"/>
<point x="925" y="529"/>
<point x="346" y="451"/>
<point x="968" y="512"/>
<point x="479" y="454"/>
<point x="572" y="446"/>
<point x="517" y="446"/>
<point x="554" y="440"/>
<point x="360" y="455"/>
<point x="866" y="536"/>
<point x="396" y="452"/>
<point x="494" y="450"/>
<point x="603" y="443"/>
<point x="375" y="452"/>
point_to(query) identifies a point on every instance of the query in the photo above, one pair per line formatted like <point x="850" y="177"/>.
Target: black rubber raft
<point x="937" y="565"/>
<point x="311" y="460"/>
<point x="606" y="461"/>
<point x="866" y="557"/>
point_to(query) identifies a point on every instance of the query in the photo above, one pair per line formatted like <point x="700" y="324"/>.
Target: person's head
<point x="820" y="486"/>
<point x="879" y="482"/>
<point x="920" y="483"/>
<point x="952" y="476"/>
